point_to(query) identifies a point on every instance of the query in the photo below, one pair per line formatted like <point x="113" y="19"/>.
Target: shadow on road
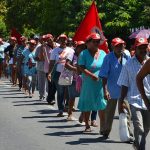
<point x="83" y="141"/>
<point x="31" y="104"/>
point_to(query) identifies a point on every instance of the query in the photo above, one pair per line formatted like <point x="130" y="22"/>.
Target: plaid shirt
<point x="128" y="78"/>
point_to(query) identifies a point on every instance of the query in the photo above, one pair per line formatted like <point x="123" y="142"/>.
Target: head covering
<point x="93" y="36"/>
<point x="36" y="37"/>
<point x="117" y="41"/>
<point x="32" y="42"/>
<point x="80" y="43"/>
<point x="63" y="36"/>
<point x="44" y="37"/>
<point x="140" y="41"/>
<point x="13" y="38"/>
<point x="49" y="36"/>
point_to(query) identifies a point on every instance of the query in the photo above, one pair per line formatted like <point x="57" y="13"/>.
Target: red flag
<point x="91" y="23"/>
<point x="16" y="34"/>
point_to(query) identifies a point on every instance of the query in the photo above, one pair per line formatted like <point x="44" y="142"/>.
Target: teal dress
<point x="91" y="96"/>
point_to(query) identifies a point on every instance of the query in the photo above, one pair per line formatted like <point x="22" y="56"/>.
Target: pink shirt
<point x="47" y="54"/>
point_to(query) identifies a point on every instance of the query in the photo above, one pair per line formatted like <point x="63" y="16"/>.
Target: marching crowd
<point x="73" y="69"/>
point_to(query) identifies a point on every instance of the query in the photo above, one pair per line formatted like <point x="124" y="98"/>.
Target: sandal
<point x="94" y="124"/>
<point x="87" y="130"/>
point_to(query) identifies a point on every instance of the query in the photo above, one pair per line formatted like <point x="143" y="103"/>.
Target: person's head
<point x="50" y="40"/>
<point x="43" y="39"/>
<point x="36" y="38"/>
<point x="62" y="39"/>
<point x="23" y="40"/>
<point x="93" y="41"/>
<point x="118" y="45"/>
<point x="1" y="41"/>
<point x="80" y="46"/>
<point x="141" y="47"/>
<point x="13" y="41"/>
<point x="32" y="45"/>
<point x="70" y="42"/>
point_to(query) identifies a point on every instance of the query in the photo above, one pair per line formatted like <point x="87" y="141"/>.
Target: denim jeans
<point x="93" y="115"/>
<point x="31" y="82"/>
<point x="60" y="92"/>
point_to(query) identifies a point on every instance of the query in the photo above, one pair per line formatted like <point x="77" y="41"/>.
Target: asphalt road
<point x="30" y="124"/>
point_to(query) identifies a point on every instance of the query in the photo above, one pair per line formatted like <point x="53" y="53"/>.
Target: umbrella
<point x="145" y="33"/>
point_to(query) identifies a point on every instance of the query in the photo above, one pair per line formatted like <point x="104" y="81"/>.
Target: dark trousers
<point x="51" y="91"/>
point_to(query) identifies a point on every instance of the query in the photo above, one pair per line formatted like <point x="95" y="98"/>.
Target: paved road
<point x="30" y="124"/>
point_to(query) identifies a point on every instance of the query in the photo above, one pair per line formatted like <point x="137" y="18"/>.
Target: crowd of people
<point x="74" y="69"/>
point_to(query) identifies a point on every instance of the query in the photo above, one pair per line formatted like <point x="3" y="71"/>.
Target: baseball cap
<point x="93" y="36"/>
<point x="141" y="41"/>
<point x="117" y="41"/>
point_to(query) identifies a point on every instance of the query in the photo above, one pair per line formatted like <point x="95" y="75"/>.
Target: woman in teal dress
<point x="90" y="62"/>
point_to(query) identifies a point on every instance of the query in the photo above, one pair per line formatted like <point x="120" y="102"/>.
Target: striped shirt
<point x="128" y="78"/>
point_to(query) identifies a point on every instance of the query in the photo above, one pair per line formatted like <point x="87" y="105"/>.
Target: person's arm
<point x="139" y="80"/>
<point x="124" y="91"/>
<point x="106" y="93"/>
<point x="69" y="66"/>
<point x="123" y="82"/>
<point x="104" y="74"/>
<point x="51" y="66"/>
<point x="87" y="72"/>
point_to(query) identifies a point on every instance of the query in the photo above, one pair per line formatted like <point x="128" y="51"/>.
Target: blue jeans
<point x="93" y="115"/>
<point x="60" y="92"/>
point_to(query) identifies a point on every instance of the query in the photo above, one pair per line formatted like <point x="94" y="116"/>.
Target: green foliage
<point x="64" y="16"/>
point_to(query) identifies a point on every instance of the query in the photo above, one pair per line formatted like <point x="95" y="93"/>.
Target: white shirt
<point x="128" y="78"/>
<point x="59" y="55"/>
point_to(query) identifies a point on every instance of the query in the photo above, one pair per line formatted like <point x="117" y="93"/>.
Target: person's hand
<point x="49" y="77"/>
<point x="120" y="106"/>
<point x="95" y="78"/>
<point x="107" y="95"/>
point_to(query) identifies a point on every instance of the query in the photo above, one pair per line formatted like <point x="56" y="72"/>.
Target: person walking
<point x="90" y="62"/>
<point x="129" y="89"/>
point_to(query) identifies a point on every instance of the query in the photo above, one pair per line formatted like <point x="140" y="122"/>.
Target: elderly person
<point x="90" y="61"/>
<point x="144" y="72"/>
<point x="109" y="73"/>
<point x="127" y="81"/>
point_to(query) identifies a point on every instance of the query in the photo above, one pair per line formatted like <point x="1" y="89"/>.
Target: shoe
<point x="87" y="130"/>
<point x="81" y="118"/>
<point x="30" y="95"/>
<point x="134" y="146"/>
<point x="94" y="124"/>
<point x="105" y="136"/>
<point x="60" y="115"/>
<point x="71" y="118"/>
<point x="52" y="102"/>
<point x="41" y="98"/>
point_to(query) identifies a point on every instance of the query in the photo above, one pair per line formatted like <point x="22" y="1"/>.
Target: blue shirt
<point x="111" y="70"/>
<point x="29" y="62"/>
<point x="128" y="78"/>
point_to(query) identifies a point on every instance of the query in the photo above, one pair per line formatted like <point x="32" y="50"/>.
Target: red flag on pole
<point x="16" y="34"/>
<point x="91" y="23"/>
